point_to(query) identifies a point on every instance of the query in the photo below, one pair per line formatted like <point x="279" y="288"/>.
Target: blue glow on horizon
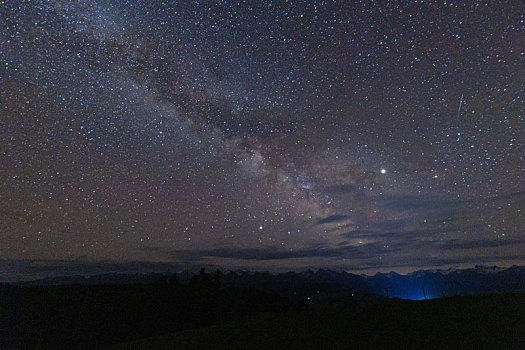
<point x="412" y="293"/>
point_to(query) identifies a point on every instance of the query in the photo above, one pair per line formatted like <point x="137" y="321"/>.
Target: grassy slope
<point x="486" y="322"/>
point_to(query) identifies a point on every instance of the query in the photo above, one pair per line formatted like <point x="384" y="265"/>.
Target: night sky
<point x="367" y="137"/>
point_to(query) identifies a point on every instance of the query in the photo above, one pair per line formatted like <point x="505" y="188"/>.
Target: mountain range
<point x="423" y="284"/>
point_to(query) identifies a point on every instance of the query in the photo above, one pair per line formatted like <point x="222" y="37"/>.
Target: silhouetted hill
<point x="91" y="316"/>
<point x="97" y="311"/>
<point x="434" y="283"/>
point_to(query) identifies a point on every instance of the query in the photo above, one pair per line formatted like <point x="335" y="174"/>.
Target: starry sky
<point x="363" y="136"/>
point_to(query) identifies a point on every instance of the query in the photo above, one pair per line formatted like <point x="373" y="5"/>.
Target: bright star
<point x="383" y="171"/>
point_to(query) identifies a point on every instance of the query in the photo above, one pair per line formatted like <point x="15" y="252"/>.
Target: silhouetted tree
<point x="174" y="280"/>
<point x="217" y="279"/>
<point x="163" y="280"/>
<point x="202" y="281"/>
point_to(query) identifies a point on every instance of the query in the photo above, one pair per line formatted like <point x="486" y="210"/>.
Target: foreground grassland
<point x="483" y="322"/>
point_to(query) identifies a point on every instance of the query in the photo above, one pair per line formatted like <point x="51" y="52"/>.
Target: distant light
<point x="383" y="171"/>
<point x="260" y="227"/>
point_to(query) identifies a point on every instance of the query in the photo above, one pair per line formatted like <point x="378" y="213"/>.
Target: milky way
<point x="269" y="135"/>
